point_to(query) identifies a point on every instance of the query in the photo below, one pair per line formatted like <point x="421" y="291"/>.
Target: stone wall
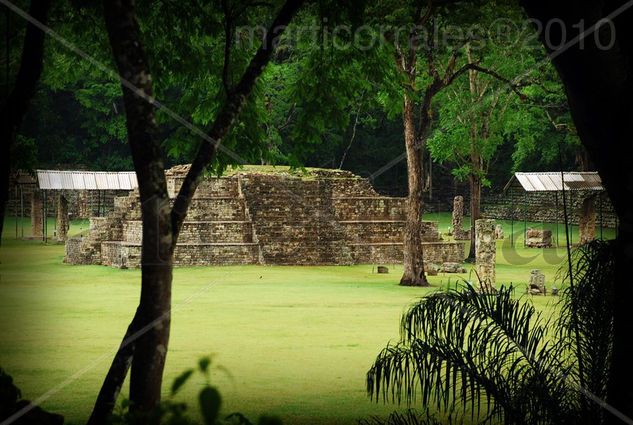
<point x="391" y="253"/>
<point x="37" y="221"/>
<point x="62" y="223"/>
<point x="542" y="206"/>
<point x="326" y="217"/>
<point x="485" y="252"/>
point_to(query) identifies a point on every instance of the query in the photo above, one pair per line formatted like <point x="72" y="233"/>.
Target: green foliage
<point x="587" y="307"/>
<point x="409" y="417"/>
<point x="171" y="412"/>
<point x="493" y="358"/>
<point x="210" y="402"/>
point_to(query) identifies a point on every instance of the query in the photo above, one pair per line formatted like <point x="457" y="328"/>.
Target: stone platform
<point x="261" y="215"/>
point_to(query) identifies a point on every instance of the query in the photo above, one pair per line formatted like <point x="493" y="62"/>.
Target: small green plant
<point x="171" y="412"/>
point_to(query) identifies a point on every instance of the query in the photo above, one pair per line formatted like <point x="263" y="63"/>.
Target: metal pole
<point x="15" y="211"/>
<point x="600" y="208"/>
<point x="571" y="221"/>
<point x="44" y="217"/>
<point x="512" y="224"/>
<point x="21" y="212"/>
<point x="525" y="220"/>
<point x="55" y="221"/>
<point x="557" y="212"/>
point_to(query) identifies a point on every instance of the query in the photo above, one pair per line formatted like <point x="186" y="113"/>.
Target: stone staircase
<point x="325" y="217"/>
<point x="295" y="221"/>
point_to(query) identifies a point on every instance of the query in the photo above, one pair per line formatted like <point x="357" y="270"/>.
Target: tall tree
<point x="426" y="67"/>
<point x="146" y="341"/>
<point x="477" y="115"/>
<point x="16" y="104"/>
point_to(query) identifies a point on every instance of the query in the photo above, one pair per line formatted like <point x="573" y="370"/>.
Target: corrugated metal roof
<point x="86" y="180"/>
<point x="553" y="181"/>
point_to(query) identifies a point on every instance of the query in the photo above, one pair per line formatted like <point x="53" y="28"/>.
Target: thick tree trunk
<point x="146" y="340"/>
<point x="413" y="263"/>
<point x="111" y="387"/>
<point x="599" y="86"/>
<point x="152" y="318"/>
<point x="475" y="211"/>
<point x="14" y="107"/>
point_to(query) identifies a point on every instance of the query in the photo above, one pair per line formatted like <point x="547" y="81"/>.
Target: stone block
<point x="537" y="238"/>
<point x="486" y="252"/>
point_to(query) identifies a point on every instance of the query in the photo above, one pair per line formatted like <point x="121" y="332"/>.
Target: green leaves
<point x="484" y="355"/>
<point x="180" y="381"/>
<point x="203" y="365"/>
<point x="210" y="403"/>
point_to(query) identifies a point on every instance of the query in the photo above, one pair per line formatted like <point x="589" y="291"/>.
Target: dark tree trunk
<point x="475" y="211"/>
<point x="599" y="86"/>
<point x="413" y="263"/>
<point x="150" y="347"/>
<point x="146" y="341"/>
<point x="15" y="106"/>
<point x="115" y="377"/>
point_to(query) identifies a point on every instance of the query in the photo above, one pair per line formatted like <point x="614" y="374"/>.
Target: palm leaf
<point x="485" y="353"/>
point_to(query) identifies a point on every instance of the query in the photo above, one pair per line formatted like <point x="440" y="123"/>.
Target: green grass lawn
<point x="297" y="341"/>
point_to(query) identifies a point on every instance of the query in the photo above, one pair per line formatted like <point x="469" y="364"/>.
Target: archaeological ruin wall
<point x="324" y="217"/>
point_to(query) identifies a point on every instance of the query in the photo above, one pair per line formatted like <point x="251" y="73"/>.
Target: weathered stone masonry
<point x="324" y="217"/>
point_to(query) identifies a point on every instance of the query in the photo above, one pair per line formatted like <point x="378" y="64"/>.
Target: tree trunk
<point x="150" y="347"/>
<point x="412" y="246"/>
<point x="154" y="316"/>
<point x="15" y="106"/>
<point x="599" y="86"/>
<point x="115" y="377"/>
<point x="475" y="211"/>
<point x="146" y="340"/>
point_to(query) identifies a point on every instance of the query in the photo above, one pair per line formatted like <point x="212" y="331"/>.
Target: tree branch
<point x="14" y="107"/>
<point x="228" y="40"/>
<point x="229" y="112"/>
<point x="515" y="87"/>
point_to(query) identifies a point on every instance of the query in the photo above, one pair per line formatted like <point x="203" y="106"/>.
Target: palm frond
<point x="588" y="308"/>
<point x="409" y="417"/>
<point x="485" y="353"/>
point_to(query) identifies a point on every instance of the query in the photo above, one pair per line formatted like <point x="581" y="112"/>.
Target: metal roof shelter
<point x="86" y="180"/>
<point x="554" y="181"/>
<point x="97" y="181"/>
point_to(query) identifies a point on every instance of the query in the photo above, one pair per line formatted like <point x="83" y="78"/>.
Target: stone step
<point x="128" y="255"/>
<point x="199" y="231"/>
<point x="202" y="209"/>
<point x="392" y="253"/>
<point x="206" y="188"/>
<point x="384" y="230"/>
<point x="368" y="208"/>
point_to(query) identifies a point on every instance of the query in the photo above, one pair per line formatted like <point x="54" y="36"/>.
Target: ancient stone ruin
<point x="458" y="220"/>
<point x="37" y="217"/>
<point x="536" y="286"/>
<point x="485" y="252"/>
<point x="499" y="232"/>
<point x="62" y="223"/>
<point x="261" y="215"/>
<point x="587" y="220"/>
<point x="537" y="238"/>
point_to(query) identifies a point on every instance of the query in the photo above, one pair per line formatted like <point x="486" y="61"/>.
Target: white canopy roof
<point x="553" y="181"/>
<point x="86" y="180"/>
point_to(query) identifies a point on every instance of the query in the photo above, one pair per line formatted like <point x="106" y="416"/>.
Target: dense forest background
<point x="316" y="106"/>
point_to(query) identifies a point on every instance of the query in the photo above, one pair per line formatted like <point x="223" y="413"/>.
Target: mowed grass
<point x="296" y="341"/>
